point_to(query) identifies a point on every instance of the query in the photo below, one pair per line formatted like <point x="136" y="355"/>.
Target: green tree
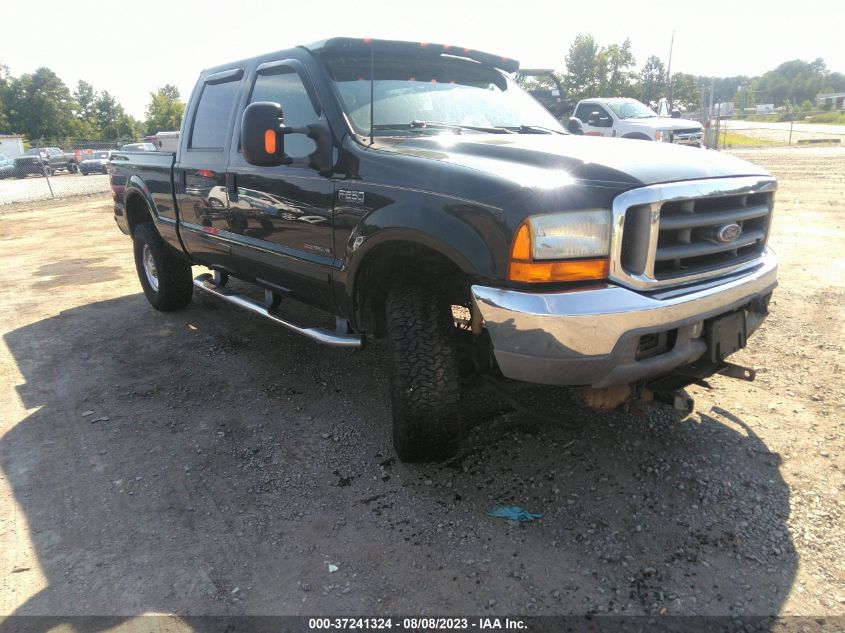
<point x="686" y="91"/>
<point x="582" y="63"/>
<point x="41" y="106"/>
<point x="112" y="120"/>
<point x="4" y="98"/>
<point x="652" y="80"/>
<point x="165" y="110"/>
<point x="86" y="113"/>
<point x="796" y="81"/>
<point x="617" y="78"/>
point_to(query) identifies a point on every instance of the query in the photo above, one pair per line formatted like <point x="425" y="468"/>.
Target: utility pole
<point x="669" y="73"/>
<point x="710" y="114"/>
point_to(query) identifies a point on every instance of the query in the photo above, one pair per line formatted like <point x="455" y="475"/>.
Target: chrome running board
<point x="338" y="338"/>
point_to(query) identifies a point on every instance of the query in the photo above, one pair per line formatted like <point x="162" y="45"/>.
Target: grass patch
<point x="735" y="139"/>
<point x="837" y="118"/>
<point x="765" y="118"/>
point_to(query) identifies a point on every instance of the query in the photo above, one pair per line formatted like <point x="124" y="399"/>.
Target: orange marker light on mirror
<point x="270" y="141"/>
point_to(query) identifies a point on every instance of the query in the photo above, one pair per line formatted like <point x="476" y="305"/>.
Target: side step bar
<point x="339" y="338"/>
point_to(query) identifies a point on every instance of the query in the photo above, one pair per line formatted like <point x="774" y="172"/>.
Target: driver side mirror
<point x="262" y="142"/>
<point x="597" y="120"/>
<point x="575" y="126"/>
<point x="263" y="132"/>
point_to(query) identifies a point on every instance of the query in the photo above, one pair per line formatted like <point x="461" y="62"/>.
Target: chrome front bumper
<point x="590" y="337"/>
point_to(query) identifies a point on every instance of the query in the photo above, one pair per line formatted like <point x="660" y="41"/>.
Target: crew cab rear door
<point x="200" y="170"/>
<point x="281" y="217"/>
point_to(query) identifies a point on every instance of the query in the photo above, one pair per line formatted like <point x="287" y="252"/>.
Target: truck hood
<point x="547" y="161"/>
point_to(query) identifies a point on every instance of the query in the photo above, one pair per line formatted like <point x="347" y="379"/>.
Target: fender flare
<point x="396" y="234"/>
<point x="136" y="187"/>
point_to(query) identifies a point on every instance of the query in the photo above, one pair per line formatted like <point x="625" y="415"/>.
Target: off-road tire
<point x="424" y="380"/>
<point x="175" y="286"/>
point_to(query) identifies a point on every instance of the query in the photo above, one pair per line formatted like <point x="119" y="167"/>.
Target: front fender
<point x="473" y="236"/>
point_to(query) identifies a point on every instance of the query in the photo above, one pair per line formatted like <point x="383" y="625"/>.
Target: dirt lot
<point x="206" y="462"/>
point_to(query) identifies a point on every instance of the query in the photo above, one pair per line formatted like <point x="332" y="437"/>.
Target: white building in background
<point x="726" y="108"/>
<point x="836" y="100"/>
<point x="11" y="145"/>
<point x="765" y="108"/>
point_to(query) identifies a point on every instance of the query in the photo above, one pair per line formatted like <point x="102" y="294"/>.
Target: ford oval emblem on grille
<point x="728" y="232"/>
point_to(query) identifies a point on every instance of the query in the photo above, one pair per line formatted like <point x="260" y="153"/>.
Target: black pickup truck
<point x="45" y="161"/>
<point x="416" y="193"/>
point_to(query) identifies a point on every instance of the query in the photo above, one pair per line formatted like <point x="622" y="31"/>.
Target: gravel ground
<point x="205" y="462"/>
<point x="64" y="185"/>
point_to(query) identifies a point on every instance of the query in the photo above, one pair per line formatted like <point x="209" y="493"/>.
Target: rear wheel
<point x="424" y="379"/>
<point x="165" y="278"/>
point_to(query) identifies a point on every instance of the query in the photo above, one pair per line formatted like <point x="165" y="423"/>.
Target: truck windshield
<point x="631" y="109"/>
<point x="447" y="93"/>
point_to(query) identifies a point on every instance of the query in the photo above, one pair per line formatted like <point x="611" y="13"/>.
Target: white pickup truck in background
<point x="629" y="118"/>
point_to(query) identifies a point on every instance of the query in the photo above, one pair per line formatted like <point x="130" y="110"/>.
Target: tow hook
<point x="738" y="371"/>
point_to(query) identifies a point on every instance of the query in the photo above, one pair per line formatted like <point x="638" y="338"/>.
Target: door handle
<point x="231" y="187"/>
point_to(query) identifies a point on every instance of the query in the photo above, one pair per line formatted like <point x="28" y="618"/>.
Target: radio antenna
<point x="372" y="85"/>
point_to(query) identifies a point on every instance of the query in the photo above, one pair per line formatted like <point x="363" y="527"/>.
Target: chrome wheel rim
<point x="150" y="268"/>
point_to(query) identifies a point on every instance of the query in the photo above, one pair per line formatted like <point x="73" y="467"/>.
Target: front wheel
<point x="424" y="380"/>
<point x="165" y="278"/>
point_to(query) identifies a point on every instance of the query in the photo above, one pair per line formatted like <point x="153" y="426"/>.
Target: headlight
<point x="568" y="246"/>
<point x="570" y="235"/>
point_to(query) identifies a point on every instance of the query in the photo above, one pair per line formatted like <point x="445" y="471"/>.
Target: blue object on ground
<point x="513" y="513"/>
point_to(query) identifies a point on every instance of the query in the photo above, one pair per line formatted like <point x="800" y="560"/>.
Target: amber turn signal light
<point x="270" y="141"/>
<point x="522" y="267"/>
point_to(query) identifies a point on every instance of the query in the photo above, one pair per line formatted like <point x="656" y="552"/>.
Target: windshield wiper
<point x="439" y="125"/>
<point x="533" y="129"/>
<point x="455" y="126"/>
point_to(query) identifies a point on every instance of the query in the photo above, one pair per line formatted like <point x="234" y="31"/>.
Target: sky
<point x="132" y="48"/>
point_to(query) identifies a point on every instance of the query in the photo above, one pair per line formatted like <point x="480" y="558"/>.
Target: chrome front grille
<point x="677" y="233"/>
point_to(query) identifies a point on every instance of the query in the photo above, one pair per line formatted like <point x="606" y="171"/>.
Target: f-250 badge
<point x="350" y="197"/>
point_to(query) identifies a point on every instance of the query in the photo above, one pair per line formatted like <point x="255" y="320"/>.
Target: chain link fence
<point x="783" y="129"/>
<point x="44" y="169"/>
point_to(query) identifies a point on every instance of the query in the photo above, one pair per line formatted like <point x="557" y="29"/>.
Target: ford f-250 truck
<point x="628" y="118"/>
<point x="416" y="193"/>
